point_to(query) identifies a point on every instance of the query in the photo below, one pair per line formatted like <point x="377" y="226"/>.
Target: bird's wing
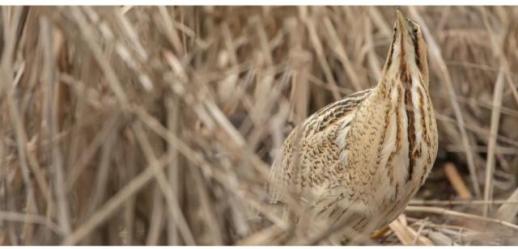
<point x="313" y="146"/>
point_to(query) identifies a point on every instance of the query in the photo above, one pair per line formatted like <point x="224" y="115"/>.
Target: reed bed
<point x="157" y="125"/>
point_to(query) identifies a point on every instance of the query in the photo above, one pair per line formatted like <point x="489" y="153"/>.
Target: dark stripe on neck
<point x="424" y="122"/>
<point x="411" y="134"/>
<point x="402" y="56"/>
<point x="416" y="52"/>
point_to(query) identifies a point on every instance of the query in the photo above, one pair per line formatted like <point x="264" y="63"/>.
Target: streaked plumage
<point x="367" y="154"/>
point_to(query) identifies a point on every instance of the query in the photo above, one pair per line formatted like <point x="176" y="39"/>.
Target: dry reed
<point x="157" y="125"/>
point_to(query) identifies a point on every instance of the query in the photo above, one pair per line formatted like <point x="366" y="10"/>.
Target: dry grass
<point x="154" y="125"/>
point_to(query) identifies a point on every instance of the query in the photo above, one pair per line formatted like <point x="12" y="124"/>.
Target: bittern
<point x="369" y="153"/>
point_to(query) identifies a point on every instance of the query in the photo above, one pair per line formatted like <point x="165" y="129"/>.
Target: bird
<point x="358" y="161"/>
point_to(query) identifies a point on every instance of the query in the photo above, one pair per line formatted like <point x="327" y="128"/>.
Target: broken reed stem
<point x="51" y="123"/>
<point x="508" y="210"/>
<point x="442" y="211"/>
<point x="456" y="181"/>
<point x="173" y="123"/>
<point x="30" y="218"/>
<point x="460" y="202"/>
<point x="495" y="120"/>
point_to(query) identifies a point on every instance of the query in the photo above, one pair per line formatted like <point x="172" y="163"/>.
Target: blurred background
<point x="157" y="125"/>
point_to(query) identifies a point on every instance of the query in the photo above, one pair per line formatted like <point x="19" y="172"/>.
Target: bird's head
<point x="407" y="57"/>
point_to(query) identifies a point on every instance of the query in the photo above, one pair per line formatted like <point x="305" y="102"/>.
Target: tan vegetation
<point x="155" y="125"/>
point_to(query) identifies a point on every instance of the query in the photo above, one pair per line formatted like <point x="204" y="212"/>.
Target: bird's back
<point x="310" y="155"/>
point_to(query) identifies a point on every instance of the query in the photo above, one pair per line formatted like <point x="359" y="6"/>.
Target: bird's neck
<point x="406" y="79"/>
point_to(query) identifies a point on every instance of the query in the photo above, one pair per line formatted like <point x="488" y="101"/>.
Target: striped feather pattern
<point x="360" y="160"/>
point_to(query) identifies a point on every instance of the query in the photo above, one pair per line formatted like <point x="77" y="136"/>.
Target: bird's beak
<point x="408" y="49"/>
<point x="401" y="21"/>
<point x="402" y="25"/>
<point x="406" y="41"/>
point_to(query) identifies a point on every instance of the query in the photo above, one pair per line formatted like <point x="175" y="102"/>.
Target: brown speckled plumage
<point x="369" y="153"/>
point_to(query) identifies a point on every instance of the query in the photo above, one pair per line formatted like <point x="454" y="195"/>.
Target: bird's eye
<point x="414" y="32"/>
